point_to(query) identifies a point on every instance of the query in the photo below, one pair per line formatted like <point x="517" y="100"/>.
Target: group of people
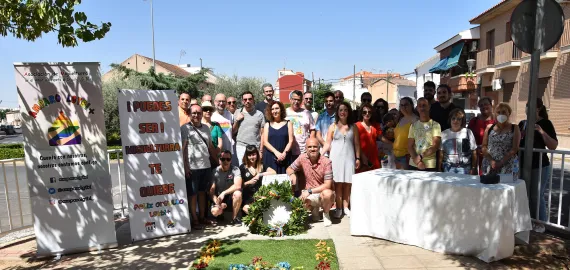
<point x="229" y="150"/>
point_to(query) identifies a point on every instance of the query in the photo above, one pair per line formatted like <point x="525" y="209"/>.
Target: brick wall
<point x="559" y="94"/>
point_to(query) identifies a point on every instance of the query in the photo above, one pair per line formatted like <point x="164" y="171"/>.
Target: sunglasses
<point x="247" y="99"/>
<point x="367" y="100"/>
<point x="308" y="98"/>
<point x="225" y="159"/>
<point x="366" y="112"/>
<point x="232" y="102"/>
<point x="207" y="110"/>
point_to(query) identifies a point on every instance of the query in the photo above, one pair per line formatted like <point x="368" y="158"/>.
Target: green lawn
<point x="295" y="252"/>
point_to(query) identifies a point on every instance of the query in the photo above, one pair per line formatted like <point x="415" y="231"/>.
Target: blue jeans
<point x="456" y="168"/>
<point x="535" y="197"/>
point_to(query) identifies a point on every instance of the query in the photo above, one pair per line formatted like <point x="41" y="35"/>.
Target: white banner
<point x="152" y="148"/>
<point x="66" y="156"/>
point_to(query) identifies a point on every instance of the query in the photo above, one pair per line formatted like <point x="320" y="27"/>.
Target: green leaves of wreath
<point x="262" y="201"/>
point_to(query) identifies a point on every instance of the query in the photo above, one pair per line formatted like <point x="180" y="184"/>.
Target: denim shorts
<point x="199" y="181"/>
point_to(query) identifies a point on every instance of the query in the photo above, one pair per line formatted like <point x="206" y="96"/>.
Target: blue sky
<point x="256" y="38"/>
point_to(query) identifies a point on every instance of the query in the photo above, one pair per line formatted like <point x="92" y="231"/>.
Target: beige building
<point x="392" y="90"/>
<point x="142" y="63"/>
<point x="504" y="71"/>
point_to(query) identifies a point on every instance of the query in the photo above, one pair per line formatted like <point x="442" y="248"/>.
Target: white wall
<point x="406" y="91"/>
<point x="346" y="87"/>
<point x="423" y="74"/>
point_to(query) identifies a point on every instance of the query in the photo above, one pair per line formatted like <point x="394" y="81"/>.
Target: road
<point x="18" y="138"/>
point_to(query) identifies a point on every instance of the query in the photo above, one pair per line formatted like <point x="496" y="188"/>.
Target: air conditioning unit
<point x="497" y="84"/>
<point x="474" y="45"/>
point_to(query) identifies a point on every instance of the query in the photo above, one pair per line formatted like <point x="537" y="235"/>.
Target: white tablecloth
<point x="443" y="212"/>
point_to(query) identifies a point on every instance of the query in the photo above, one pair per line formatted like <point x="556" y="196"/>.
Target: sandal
<point x="197" y="226"/>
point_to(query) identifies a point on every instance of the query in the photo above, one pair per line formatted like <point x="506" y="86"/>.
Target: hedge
<point x="16" y="150"/>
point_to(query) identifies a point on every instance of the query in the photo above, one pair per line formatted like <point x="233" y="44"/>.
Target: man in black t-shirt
<point x="226" y="187"/>
<point x="440" y="110"/>
<point x="268" y="93"/>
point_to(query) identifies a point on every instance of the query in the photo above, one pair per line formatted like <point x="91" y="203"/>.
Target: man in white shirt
<point x="226" y="120"/>
<point x="308" y="105"/>
<point x="303" y="124"/>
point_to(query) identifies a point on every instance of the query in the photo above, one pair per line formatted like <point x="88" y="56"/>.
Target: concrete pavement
<point x="177" y="252"/>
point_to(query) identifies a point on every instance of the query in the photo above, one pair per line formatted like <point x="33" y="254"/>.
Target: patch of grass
<point x="295" y="252"/>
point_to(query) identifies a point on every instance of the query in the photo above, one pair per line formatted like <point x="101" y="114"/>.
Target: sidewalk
<point x="177" y="252"/>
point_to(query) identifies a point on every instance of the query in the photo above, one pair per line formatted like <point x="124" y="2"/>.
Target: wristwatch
<point x="310" y="191"/>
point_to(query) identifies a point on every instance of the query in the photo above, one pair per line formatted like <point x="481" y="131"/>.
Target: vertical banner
<point x="66" y="156"/>
<point x="152" y="148"/>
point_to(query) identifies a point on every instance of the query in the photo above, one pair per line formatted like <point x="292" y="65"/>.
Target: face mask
<point x="502" y="118"/>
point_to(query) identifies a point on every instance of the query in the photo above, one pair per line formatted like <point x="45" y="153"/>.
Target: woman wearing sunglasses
<point x="369" y="131"/>
<point x="252" y="170"/>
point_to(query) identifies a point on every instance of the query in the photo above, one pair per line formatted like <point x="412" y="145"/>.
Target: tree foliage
<point x="193" y="84"/>
<point x="30" y="19"/>
<point x="130" y="79"/>
<point x="234" y="86"/>
<point x="319" y="91"/>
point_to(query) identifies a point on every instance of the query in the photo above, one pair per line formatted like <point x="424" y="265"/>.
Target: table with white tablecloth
<point x="443" y="212"/>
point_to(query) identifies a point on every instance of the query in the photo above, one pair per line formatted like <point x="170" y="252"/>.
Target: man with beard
<point x="248" y="126"/>
<point x="326" y="118"/>
<point x="429" y="92"/>
<point x="232" y="105"/>
<point x="317" y="172"/>
<point x="268" y="93"/>
<point x="183" y="105"/>
<point x="226" y="120"/>
<point x="308" y="105"/>
<point x="440" y="110"/>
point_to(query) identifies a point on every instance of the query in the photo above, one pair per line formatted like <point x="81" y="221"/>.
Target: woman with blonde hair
<point x="501" y="142"/>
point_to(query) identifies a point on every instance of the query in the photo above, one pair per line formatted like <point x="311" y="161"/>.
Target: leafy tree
<point x="130" y="79"/>
<point x="234" y="86"/>
<point x="30" y="19"/>
<point x="319" y="91"/>
<point x="193" y="84"/>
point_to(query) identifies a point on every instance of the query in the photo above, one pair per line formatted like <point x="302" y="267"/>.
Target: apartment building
<point x="504" y="71"/>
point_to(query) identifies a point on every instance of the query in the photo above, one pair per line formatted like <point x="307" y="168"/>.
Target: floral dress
<point x="498" y="145"/>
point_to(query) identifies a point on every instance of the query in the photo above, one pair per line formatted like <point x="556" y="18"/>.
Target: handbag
<point x="490" y="178"/>
<point x="213" y="160"/>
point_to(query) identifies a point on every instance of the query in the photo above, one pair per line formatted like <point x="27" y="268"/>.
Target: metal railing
<point x="16" y="203"/>
<point x="558" y="211"/>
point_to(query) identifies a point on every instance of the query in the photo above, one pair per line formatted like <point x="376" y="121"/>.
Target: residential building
<point x="291" y="82"/>
<point x="456" y="54"/>
<point x="423" y="75"/>
<point x="142" y="63"/>
<point x="392" y="90"/>
<point x="504" y="71"/>
<point x="353" y="86"/>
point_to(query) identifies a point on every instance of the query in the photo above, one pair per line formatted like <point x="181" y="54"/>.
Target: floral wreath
<point x="262" y="202"/>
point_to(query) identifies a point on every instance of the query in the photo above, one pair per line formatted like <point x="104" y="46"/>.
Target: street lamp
<point x="471" y="64"/>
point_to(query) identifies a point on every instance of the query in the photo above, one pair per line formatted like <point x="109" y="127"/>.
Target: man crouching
<point x="226" y="181"/>
<point x="317" y="171"/>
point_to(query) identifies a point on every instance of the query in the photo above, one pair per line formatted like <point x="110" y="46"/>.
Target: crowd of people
<point x="228" y="150"/>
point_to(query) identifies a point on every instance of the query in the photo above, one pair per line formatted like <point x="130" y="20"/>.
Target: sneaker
<point x="236" y="222"/>
<point x="347" y="212"/>
<point x="315" y="214"/>
<point x="539" y="228"/>
<point x="327" y="219"/>
<point x="338" y="213"/>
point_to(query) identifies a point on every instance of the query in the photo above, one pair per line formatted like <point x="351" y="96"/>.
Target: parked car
<point x="9" y="129"/>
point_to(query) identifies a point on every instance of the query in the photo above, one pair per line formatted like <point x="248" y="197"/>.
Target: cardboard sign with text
<point x="152" y="155"/>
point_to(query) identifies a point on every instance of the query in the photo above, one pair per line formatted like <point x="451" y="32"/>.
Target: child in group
<point x="389" y="122"/>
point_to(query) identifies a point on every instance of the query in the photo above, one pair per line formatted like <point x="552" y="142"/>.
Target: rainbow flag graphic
<point x="64" y="132"/>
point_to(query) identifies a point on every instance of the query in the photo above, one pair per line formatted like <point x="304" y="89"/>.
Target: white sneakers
<point x="347" y="212"/>
<point x="327" y="219"/>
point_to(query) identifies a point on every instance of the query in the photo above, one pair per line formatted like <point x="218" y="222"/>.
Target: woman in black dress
<point x="252" y="170"/>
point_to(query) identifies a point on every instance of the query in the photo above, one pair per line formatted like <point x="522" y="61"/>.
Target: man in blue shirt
<point x="326" y="118"/>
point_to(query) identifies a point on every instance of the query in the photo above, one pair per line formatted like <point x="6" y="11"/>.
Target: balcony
<point x="507" y="55"/>
<point x="565" y="39"/>
<point x="483" y="63"/>
<point x="462" y="83"/>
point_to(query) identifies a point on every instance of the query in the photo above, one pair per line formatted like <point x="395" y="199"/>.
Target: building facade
<point x="392" y="90"/>
<point x="504" y="71"/>
<point x="423" y="75"/>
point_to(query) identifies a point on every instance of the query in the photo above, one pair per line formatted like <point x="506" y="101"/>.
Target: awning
<point x="453" y="58"/>
<point x="439" y="66"/>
